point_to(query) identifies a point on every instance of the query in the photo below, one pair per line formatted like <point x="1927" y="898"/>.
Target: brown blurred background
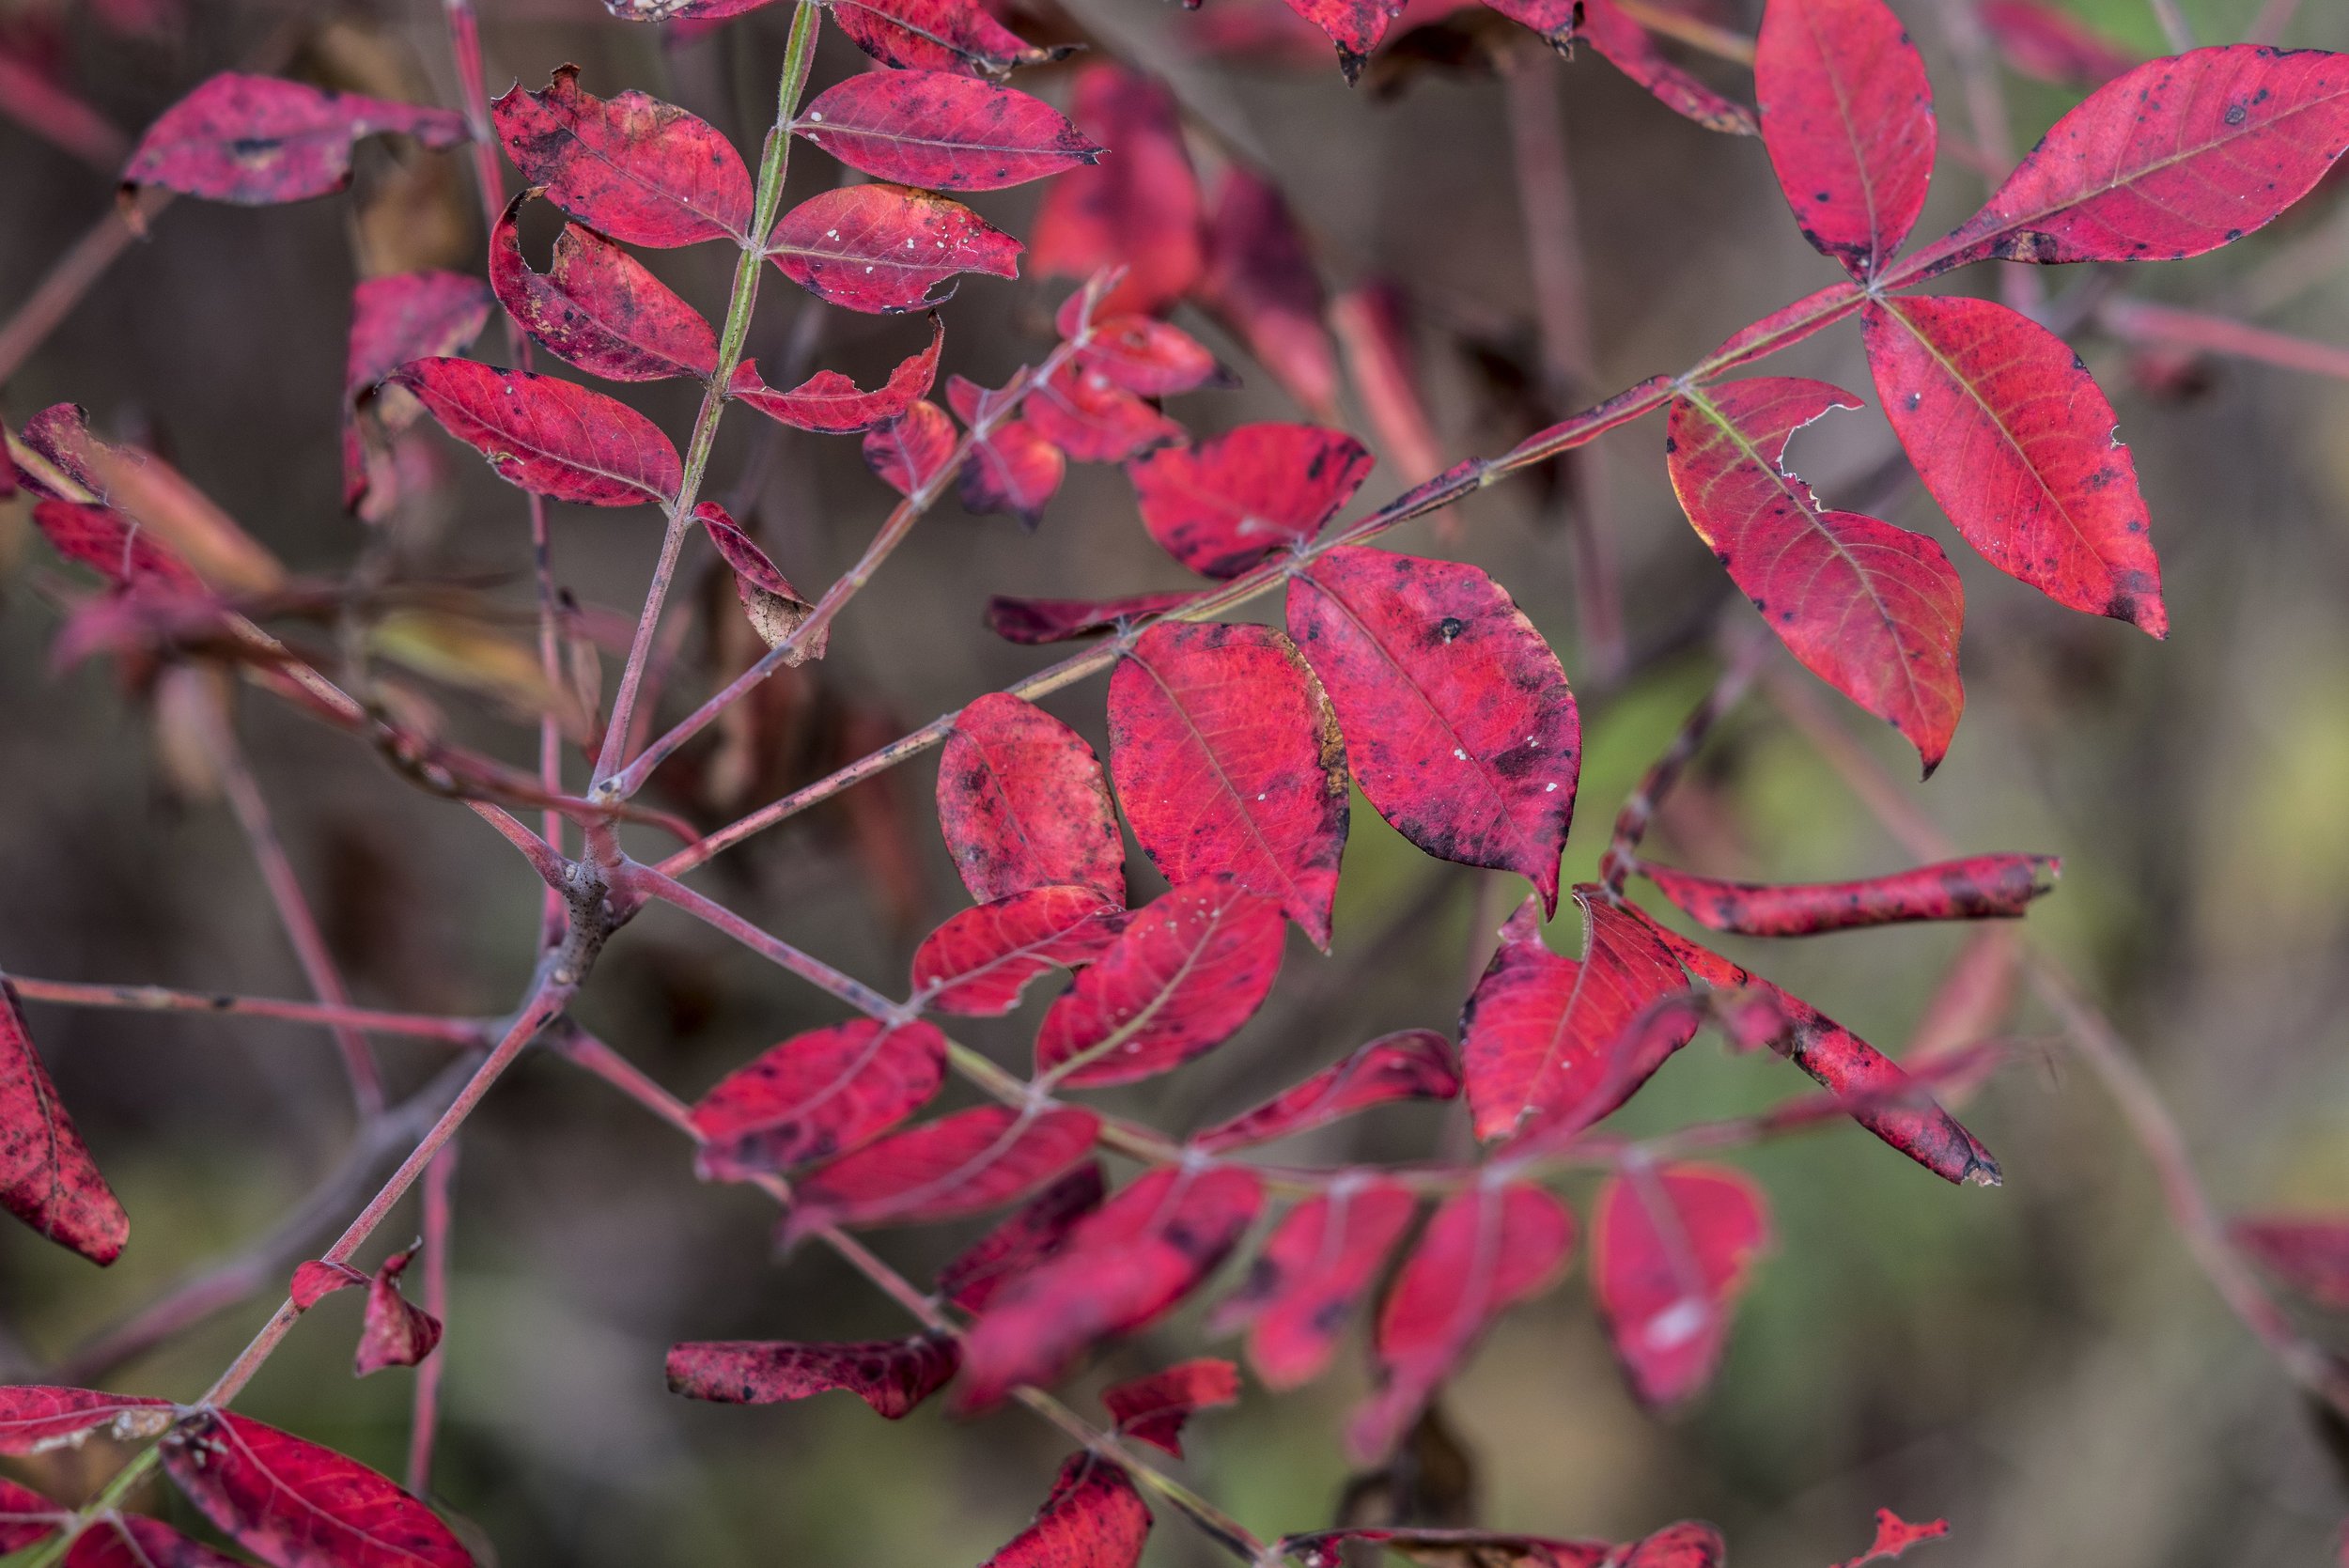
<point x="2040" y="1364"/>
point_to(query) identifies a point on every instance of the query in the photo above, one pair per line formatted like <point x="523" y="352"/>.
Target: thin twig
<point x="163" y="999"/>
<point x="2174" y="26"/>
<point x="440" y="1178"/>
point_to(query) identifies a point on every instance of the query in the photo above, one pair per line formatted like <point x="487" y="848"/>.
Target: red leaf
<point x="1669" y="1252"/>
<point x="1227" y="759"/>
<point x="1153" y="1409"/>
<point x="34" y="1418"/>
<point x="1182" y="976"/>
<point x="942" y="132"/>
<point x="549" y="436"/>
<point x="1355" y="26"/>
<point x="1627" y="46"/>
<point x="966" y="1163"/>
<point x="1895" y="1535"/>
<point x="909" y="451"/>
<point x="598" y="307"/>
<point x="1371" y="323"/>
<point x="2017" y="443"/>
<point x="1012" y="468"/>
<point x="882" y="249"/>
<point x="393" y="320"/>
<point x="47" y="1177"/>
<point x="936" y="34"/>
<point x="298" y="1505"/>
<point x="630" y="166"/>
<point x="317" y="1279"/>
<point x="831" y="402"/>
<point x="979" y="962"/>
<point x="26" y="1516"/>
<point x="258" y="139"/>
<point x="1984" y="887"/>
<point x="1093" y="1519"/>
<point x="1033" y="622"/>
<point x="1093" y="420"/>
<point x="395" y="1331"/>
<point x="1538" y="1035"/>
<point x="1487" y="1249"/>
<point x="1139" y="209"/>
<point x="112" y="545"/>
<point x="2310" y="1254"/>
<point x="1139" y="353"/>
<point x="1871" y="609"/>
<point x="891" y="1376"/>
<point x="1847" y="119"/>
<point x="2052" y="45"/>
<point x="1876" y="1090"/>
<point x="1326" y="1548"/>
<point x="1410" y="1065"/>
<point x="972" y="1278"/>
<point x="1781" y="329"/>
<point x="1123" y="1267"/>
<point x="1460" y="726"/>
<point x="1260" y="282"/>
<point x="2179" y="156"/>
<point x="775" y="608"/>
<point x="1318" y="1263"/>
<point x="1227" y="503"/>
<point x="1022" y="804"/>
<point x="818" y="1095"/>
<point x="134" y="1541"/>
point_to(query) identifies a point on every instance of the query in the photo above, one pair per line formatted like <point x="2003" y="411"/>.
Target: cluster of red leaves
<point x="1233" y="748"/>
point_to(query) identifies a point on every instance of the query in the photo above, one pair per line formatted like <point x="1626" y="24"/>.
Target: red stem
<point x="159" y="998"/>
<point x="440" y="1178"/>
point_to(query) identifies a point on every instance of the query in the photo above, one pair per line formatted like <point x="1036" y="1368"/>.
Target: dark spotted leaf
<point x="891" y="1376"/>
<point x="1020" y="1242"/>
<point x="395" y="1331"/>
<point x="831" y="402"/>
<point x="1319" y="1264"/>
<point x="1459" y="725"/>
<point x="630" y="166"/>
<point x="1487" y="1249"/>
<point x="297" y="1505"/>
<point x="966" y="1163"/>
<point x="598" y="306"/>
<point x="909" y="452"/>
<point x="1224" y="505"/>
<point x="1894" y="1536"/>
<point x="1085" y="413"/>
<point x="1669" y="1252"/>
<point x="1022" y="804"/>
<point x="258" y="139"/>
<point x="1410" y="1064"/>
<point x="942" y="132"/>
<point x="547" y="435"/>
<point x="2019" y="446"/>
<point x="47" y="1177"/>
<point x="1140" y="353"/>
<point x="1985" y="887"/>
<point x="1227" y="759"/>
<point x="1873" y="609"/>
<point x="1123" y="1267"/>
<point x="818" y="1095"/>
<point x="979" y="961"/>
<point x="1847" y="119"/>
<point x="1012" y="468"/>
<point x="886" y="248"/>
<point x="1625" y="45"/>
<point x="1038" y="621"/>
<point x="2177" y="156"/>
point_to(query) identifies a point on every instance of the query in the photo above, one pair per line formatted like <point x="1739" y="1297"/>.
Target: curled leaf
<point x="259" y="139"/>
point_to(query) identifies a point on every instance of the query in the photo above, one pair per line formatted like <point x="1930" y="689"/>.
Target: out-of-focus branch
<point x="2144" y="322"/>
<point x="440" y="1178"/>
<point x="163" y="999"/>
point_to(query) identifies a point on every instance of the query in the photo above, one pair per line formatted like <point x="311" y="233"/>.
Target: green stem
<point x="773" y="165"/>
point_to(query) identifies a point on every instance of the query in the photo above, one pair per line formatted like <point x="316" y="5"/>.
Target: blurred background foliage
<point x="2040" y="1364"/>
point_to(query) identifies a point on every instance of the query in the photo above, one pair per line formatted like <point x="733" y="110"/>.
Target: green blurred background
<point x="2040" y="1364"/>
